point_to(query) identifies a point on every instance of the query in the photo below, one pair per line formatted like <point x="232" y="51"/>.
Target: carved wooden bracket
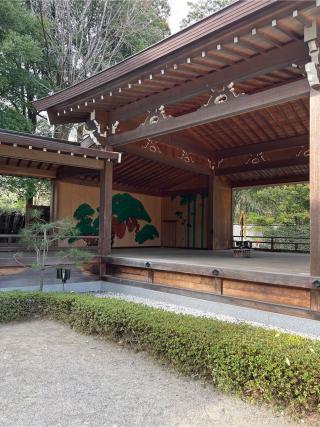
<point x="151" y="146"/>
<point x="312" y="67"/>
<point x="220" y="96"/>
<point x="215" y="164"/>
<point x="97" y="132"/>
<point x="303" y="151"/>
<point x="255" y="159"/>
<point x="158" y="115"/>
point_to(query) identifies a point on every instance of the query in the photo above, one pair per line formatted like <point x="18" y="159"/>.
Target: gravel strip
<point x="180" y="309"/>
<point x="52" y="376"/>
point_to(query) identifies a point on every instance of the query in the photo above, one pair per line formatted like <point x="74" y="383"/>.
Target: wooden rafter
<point x="16" y="139"/>
<point x="47" y="157"/>
<point x="213" y="112"/>
<point x="271" y="181"/>
<point x="24" y="171"/>
<point x="279" y="58"/>
<point x="278" y="144"/>
<point x="271" y="163"/>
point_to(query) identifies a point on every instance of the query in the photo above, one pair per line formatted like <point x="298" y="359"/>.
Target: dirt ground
<point x="53" y="376"/>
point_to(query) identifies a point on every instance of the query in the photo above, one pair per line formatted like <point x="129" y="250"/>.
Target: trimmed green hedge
<point x="259" y="364"/>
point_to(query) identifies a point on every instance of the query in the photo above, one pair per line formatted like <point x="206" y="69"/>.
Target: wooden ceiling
<point x="268" y="124"/>
<point x="140" y="175"/>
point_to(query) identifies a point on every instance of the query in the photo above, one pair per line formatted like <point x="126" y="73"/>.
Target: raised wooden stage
<point x="278" y="282"/>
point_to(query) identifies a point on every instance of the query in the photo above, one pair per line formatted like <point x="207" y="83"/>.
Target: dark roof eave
<point x="40" y="142"/>
<point x="215" y="23"/>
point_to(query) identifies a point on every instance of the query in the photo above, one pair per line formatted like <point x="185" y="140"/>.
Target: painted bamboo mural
<point x="192" y="218"/>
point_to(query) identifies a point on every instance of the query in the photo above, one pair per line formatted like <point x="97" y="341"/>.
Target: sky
<point x="179" y="10"/>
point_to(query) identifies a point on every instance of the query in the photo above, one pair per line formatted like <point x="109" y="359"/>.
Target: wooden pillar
<point x="314" y="182"/>
<point x="54" y="200"/>
<point x="222" y="213"/>
<point x="210" y="213"/>
<point x="105" y="209"/>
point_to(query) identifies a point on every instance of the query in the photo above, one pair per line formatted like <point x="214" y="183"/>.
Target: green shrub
<point x="259" y="364"/>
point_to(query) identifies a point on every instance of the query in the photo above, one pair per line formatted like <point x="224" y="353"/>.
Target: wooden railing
<point x="278" y="243"/>
<point x="270" y="243"/>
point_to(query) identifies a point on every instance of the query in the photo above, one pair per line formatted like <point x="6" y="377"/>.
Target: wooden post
<point x="314" y="182"/>
<point x="222" y="213"/>
<point x="219" y="213"/>
<point x="210" y="213"/>
<point x="54" y="200"/>
<point x="105" y="210"/>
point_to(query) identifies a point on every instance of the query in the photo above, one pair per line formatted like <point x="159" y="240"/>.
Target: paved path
<point x="52" y="376"/>
<point x="23" y="277"/>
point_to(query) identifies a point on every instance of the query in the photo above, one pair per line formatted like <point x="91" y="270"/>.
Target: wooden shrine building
<point x="232" y="101"/>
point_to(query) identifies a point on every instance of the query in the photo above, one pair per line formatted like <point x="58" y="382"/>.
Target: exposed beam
<point x="170" y="159"/>
<point x="272" y="164"/>
<point x="278" y="144"/>
<point x="24" y="171"/>
<point x="251" y="157"/>
<point x="213" y="112"/>
<point x="187" y="143"/>
<point x="135" y="189"/>
<point x="62" y="119"/>
<point x="75" y="172"/>
<point x="271" y="181"/>
<point x="48" y="157"/>
<point x="53" y="145"/>
<point x="293" y="53"/>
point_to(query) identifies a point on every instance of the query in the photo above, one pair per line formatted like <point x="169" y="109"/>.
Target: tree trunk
<point x="29" y="203"/>
<point x="41" y="279"/>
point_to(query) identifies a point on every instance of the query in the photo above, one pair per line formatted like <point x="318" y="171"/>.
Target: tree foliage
<point x="82" y="37"/>
<point x="23" y="188"/>
<point x="199" y="9"/>
<point x="22" y="74"/>
<point x="283" y="204"/>
<point x="40" y="236"/>
<point x="48" y="45"/>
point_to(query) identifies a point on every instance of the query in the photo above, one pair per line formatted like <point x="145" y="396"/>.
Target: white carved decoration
<point x="186" y="157"/>
<point x="151" y="146"/>
<point x="159" y="114"/>
<point x="221" y="96"/>
<point x="94" y="129"/>
<point x="303" y="152"/>
<point x="255" y="159"/>
<point x="114" y="127"/>
<point x="215" y="164"/>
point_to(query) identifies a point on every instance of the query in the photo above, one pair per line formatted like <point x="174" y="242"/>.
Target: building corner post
<point x="105" y="212"/>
